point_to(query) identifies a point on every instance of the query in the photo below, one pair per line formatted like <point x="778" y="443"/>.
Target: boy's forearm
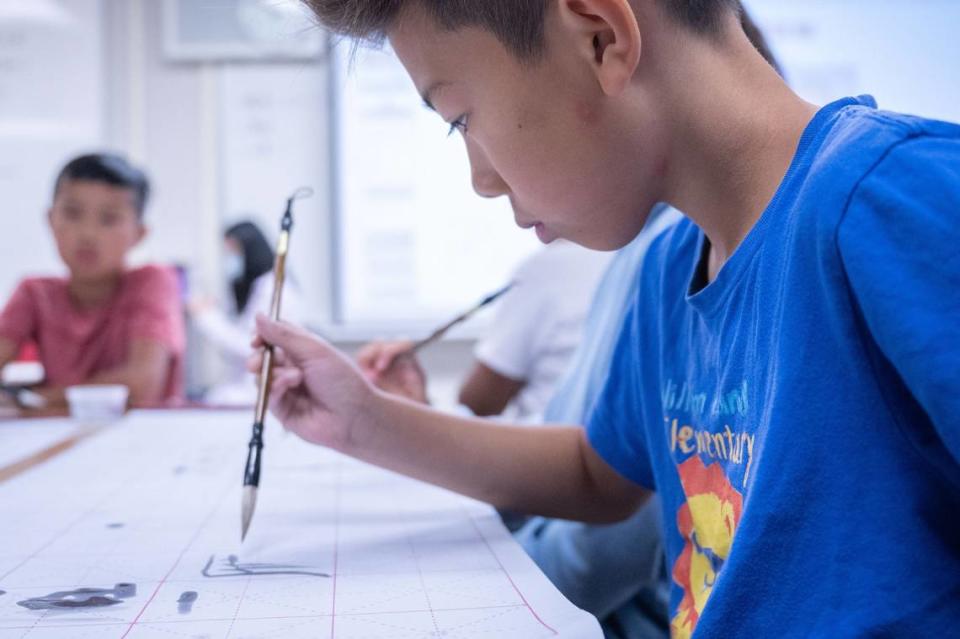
<point x="145" y="373"/>
<point x="539" y="470"/>
<point x="146" y="387"/>
<point x="8" y="350"/>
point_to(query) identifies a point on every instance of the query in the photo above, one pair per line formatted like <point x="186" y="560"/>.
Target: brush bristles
<point x="249" y="505"/>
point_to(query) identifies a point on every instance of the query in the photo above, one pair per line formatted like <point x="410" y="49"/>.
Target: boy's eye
<point x="70" y="213"/>
<point x="460" y="124"/>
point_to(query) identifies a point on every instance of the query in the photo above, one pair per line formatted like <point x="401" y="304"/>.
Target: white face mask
<point x="233" y="266"/>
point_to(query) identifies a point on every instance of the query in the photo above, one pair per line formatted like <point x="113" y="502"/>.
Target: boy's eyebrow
<point x="433" y="88"/>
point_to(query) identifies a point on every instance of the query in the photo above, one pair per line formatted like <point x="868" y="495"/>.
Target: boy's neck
<point x="93" y="293"/>
<point x="735" y="131"/>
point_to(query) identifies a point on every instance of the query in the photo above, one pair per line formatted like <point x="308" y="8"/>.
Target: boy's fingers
<point x="377" y="358"/>
<point x="389" y="354"/>
<point x="254" y="362"/>
<point x="297" y="344"/>
<point x="285" y="379"/>
<point x="367" y="355"/>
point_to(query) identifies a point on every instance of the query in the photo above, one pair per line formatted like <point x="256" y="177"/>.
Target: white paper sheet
<point x="336" y="549"/>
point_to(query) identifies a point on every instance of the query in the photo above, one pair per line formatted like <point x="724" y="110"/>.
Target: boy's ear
<point x="607" y="33"/>
<point x="142" y="232"/>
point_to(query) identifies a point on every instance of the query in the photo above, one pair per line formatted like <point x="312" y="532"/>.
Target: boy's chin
<point x="88" y="273"/>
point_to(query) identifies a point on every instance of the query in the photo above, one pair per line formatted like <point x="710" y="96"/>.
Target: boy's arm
<point x="8" y="351"/>
<point x="550" y="470"/>
<point x="145" y="373"/>
<point x="319" y="394"/>
<point x="17" y="323"/>
<point x="486" y="392"/>
<point x="898" y="241"/>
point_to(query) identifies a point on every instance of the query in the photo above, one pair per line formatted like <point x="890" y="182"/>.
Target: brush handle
<point x="441" y="331"/>
<point x="266" y="366"/>
<point x="251" y="473"/>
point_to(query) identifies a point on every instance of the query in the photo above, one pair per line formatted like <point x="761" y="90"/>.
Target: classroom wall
<point x="194" y="125"/>
<point x="200" y="129"/>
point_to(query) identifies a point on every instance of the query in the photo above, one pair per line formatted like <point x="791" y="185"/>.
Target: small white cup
<point x="99" y="402"/>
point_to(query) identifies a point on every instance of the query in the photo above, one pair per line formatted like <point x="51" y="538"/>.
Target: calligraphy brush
<point x="251" y="473"/>
<point x="442" y="330"/>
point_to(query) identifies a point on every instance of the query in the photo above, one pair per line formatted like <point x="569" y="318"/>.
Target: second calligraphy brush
<point x="442" y="330"/>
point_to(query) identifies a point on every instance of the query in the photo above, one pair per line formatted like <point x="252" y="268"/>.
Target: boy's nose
<point x="486" y="181"/>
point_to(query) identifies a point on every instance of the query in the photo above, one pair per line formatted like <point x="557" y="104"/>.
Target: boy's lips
<point x="86" y="255"/>
<point x="544" y="234"/>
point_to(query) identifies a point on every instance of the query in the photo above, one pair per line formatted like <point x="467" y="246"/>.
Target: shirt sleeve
<point x="614" y="428"/>
<point x="899" y="241"/>
<point x="18" y="321"/>
<point x="156" y="312"/>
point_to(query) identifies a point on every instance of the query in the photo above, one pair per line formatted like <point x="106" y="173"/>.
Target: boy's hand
<point x="317" y="392"/>
<point x="393" y="369"/>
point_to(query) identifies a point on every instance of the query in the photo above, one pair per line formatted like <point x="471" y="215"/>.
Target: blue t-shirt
<point x="800" y="415"/>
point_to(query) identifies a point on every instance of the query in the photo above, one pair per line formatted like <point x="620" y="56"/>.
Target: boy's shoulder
<point x="41" y="286"/>
<point x="152" y="285"/>
<point x="868" y="160"/>
<point x="886" y="160"/>
<point x="863" y="136"/>
<point x="151" y="275"/>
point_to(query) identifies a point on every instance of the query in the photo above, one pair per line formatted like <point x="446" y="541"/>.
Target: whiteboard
<point x="51" y="106"/>
<point x="903" y="53"/>
<point x="273" y="140"/>
<point x="414" y="242"/>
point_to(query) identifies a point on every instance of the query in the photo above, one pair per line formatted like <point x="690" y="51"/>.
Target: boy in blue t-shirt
<point x="789" y="378"/>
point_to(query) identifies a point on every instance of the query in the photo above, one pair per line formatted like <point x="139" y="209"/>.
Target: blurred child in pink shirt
<point x="104" y="323"/>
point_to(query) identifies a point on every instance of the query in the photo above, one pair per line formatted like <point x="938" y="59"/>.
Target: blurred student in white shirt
<point x="248" y="267"/>
<point x="535" y="330"/>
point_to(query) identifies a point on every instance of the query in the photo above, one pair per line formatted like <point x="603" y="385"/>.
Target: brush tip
<point x="248" y="506"/>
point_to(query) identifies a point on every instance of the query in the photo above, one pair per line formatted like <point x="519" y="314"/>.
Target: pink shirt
<point x="75" y="344"/>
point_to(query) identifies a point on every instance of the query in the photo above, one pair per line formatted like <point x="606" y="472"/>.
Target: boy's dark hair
<point x="257" y="259"/>
<point x="516" y="23"/>
<point x="111" y="169"/>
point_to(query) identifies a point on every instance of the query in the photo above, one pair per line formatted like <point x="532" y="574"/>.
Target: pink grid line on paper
<point x="218" y="504"/>
<point x="486" y="542"/>
<point x="124" y="629"/>
<point x="336" y="549"/>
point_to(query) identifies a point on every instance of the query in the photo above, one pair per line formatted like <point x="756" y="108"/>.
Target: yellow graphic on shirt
<point x="708" y="520"/>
